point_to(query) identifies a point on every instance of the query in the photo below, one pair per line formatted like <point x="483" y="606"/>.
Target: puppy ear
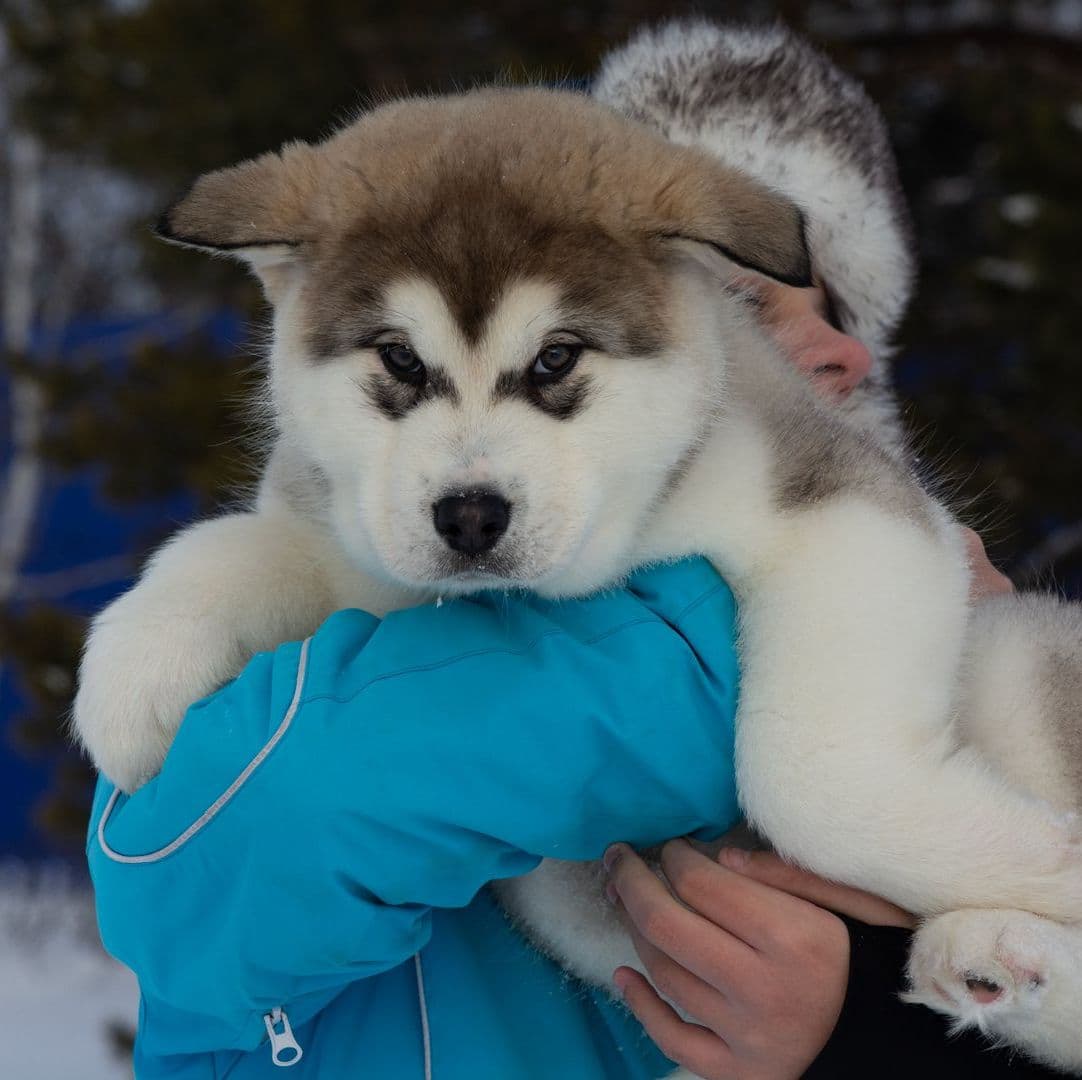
<point x="258" y="211"/>
<point x="748" y="223"/>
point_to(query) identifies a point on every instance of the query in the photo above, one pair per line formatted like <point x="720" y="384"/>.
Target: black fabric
<point x="879" y="1037"/>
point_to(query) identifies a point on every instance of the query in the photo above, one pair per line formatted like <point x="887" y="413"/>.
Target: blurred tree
<point x="165" y="419"/>
<point x="63" y="220"/>
<point x="171" y="418"/>
<point x="43" y="643"/>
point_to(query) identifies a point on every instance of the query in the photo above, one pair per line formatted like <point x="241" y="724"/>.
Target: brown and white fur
<point x="480" y="230"/>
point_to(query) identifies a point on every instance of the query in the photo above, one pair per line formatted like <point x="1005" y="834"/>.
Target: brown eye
<point x="555" y="361"/>
<point x="402" y="362"/>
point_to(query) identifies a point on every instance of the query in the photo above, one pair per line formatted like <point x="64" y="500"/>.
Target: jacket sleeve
<point x="311" y="813"/>
<point x="878" y="1034"/>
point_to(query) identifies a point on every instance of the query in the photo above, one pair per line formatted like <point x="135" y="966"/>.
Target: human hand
<point x="757" y="962"/>
<point x="985" y="579"/>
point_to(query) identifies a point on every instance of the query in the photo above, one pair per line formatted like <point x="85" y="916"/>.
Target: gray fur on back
<point x="818" y="451"/>
<point x="1059" y="626"/>
<point x="1021" y="703"/>
<point x="1063" y="695"/>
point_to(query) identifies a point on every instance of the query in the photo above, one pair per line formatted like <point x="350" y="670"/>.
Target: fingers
<point x="769" y="870"/>
<point x="747" y="958"/>
<point x="698" y="999"/>
<point x="706" y="950"/>
<point x="751" y="910"/>
<point x="694" y="1047"/>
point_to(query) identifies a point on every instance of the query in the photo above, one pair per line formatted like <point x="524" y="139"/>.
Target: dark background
<point x="124" y="364"/>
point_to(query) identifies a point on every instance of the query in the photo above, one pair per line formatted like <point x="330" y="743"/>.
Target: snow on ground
<point x="59" y="992"/>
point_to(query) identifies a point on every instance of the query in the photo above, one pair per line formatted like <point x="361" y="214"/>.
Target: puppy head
<point x="489" y="332"/>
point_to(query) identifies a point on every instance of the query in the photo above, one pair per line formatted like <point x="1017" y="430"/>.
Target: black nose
<point x="472" y="523"/>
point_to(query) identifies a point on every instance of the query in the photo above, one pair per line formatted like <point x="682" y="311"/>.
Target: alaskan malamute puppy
<point x="503" y="356"/>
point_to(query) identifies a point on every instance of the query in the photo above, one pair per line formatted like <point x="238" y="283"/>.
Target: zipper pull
<point x="285" y="1050"/>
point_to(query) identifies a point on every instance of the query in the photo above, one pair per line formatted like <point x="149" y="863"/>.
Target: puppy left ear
<point x="737" y="216"/>
<point x="258" y="211"/>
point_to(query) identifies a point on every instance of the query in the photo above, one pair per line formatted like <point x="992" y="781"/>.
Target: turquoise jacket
<point x="303" y="884"/>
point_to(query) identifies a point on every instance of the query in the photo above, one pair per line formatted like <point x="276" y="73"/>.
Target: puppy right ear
<point x="258" y="211"/>
<point x="738" y="217"/>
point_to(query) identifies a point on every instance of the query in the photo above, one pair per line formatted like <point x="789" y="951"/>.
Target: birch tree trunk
<point x="21" y="490"/>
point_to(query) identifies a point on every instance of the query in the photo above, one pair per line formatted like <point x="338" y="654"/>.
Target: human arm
<point x="392" y="767"/>
<point x="777" y="984"/>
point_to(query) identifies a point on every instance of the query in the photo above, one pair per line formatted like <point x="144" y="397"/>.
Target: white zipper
<point x="422" y="1001"/>
<point x="285" y="1050"/>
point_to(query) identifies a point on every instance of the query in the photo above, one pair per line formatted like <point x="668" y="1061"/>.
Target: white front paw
<point x="140" y="673"/>
<point x="1015" y="976"/>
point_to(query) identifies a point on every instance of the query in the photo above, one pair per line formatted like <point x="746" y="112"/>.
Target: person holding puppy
<point x="302" y="884"/>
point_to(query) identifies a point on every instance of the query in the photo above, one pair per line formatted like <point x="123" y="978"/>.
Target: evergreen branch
<point x="1057" y="545"/>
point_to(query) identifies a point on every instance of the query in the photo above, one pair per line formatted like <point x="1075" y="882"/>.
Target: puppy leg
<point x="209" y="600"/>
<point x="1015" y="976"/>
<point x="562" y="908"/>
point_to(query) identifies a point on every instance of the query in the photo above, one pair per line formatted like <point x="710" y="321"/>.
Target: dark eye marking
<point x="559" y="399"/>
<point x="411" y="383"/>
<point x="440" y="386"/>
<point x="387" y="397"/>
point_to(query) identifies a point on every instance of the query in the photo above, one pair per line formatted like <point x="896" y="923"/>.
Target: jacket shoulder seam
<point x="226" y="796"/>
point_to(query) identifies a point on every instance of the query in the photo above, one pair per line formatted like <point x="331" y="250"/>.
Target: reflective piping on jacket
<point x="212" y="811"/>
<point x="422" y="1000"/>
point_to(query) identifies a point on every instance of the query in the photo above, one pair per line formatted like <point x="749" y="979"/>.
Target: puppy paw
<point x="966" y="962"/>
<point x="141" y="671"/>
<point x="1013" y="975"/>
